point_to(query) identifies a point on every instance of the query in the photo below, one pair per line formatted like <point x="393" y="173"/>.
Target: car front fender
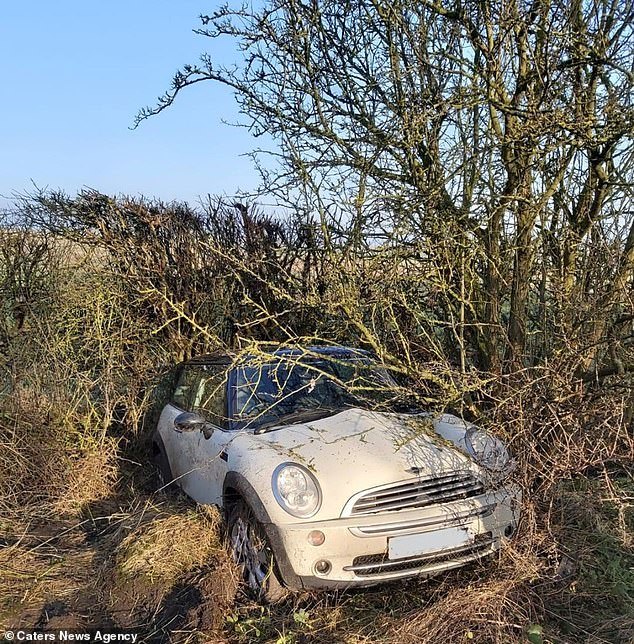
<point x="237" y="484"/>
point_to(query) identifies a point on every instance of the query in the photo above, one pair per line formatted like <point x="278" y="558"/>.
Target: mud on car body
<point x="327" y="483"/>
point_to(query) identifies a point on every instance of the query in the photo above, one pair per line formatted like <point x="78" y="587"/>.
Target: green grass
<point x="596" y="533"/>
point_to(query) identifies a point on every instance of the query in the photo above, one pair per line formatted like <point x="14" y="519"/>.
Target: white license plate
<point x="411" y="545"/>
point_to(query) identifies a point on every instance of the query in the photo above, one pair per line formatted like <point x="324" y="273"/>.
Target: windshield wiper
<point x="296" y="416"/>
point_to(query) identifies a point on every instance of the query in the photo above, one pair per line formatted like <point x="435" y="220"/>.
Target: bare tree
<point x="500" y="132"/>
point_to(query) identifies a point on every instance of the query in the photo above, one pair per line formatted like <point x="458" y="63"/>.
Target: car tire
<point x="162" y="469"/>
<point x="253" y="555"/>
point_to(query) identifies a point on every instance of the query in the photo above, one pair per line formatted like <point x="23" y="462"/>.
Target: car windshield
<point x="301" y="388"/>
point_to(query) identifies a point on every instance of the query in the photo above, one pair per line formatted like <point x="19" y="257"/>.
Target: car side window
<point x="182" y="394"/>
<point x="209" y="398"/>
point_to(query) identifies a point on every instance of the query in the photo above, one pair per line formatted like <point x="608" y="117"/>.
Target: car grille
<point x="423" y="524"/>
<point x="369" y="565"/>
<point x="418" y="493"/>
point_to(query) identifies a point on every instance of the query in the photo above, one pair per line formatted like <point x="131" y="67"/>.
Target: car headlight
<point x="488" y="450"/>
<point x="296" y="490"/>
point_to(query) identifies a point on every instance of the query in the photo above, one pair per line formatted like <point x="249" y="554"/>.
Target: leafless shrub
<point x="124" y="287"/>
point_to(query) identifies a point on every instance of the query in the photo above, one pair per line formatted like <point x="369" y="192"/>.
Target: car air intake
<point x="418" y="493"/>
<point x="379" y="564"/>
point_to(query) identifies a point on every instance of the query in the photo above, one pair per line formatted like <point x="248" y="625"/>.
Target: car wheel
<point x="161" y="464"/>
<point x="253" y="555"/>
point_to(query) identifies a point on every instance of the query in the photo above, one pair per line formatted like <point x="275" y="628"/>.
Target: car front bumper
<point x="357" y="547"/>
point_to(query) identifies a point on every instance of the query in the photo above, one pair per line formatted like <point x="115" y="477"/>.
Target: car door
<point x="199" y="461"/>
<point x="177" y="403"/>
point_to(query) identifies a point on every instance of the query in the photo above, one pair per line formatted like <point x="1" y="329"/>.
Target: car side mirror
<point x="190" y="422"/>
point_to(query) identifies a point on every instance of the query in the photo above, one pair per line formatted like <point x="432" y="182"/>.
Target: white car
<point x="326" y="482"/>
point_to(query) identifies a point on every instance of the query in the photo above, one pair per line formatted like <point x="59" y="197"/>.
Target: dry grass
<point x="163" y="545"/>
<point x="158" y="564"/>
<point x="145" y="567"/>
<point x="47" y="456"/>
<point x="42" y="562"/>
<point x="157" y="554"/>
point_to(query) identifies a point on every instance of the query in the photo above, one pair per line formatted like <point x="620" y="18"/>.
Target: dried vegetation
<point x="100" y="295"/>
<point x="457" y="181"/>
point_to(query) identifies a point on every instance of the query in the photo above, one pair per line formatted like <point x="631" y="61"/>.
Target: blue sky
<point x="74" y="74"/>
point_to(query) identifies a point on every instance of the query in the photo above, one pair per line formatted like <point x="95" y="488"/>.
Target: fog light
<point x="322" y="567"/>
<point x="509" y="530"/>
<point x="316" y="537"/>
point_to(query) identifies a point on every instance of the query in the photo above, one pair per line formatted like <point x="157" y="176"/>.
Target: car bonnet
<point x="360" y="447"/>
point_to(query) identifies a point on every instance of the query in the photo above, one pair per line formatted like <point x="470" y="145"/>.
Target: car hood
<point x="360" y="438"/>
<point x="357" y="449"/>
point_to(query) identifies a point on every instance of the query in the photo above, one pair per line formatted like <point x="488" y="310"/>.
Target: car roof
<point x="227" y="357"/>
